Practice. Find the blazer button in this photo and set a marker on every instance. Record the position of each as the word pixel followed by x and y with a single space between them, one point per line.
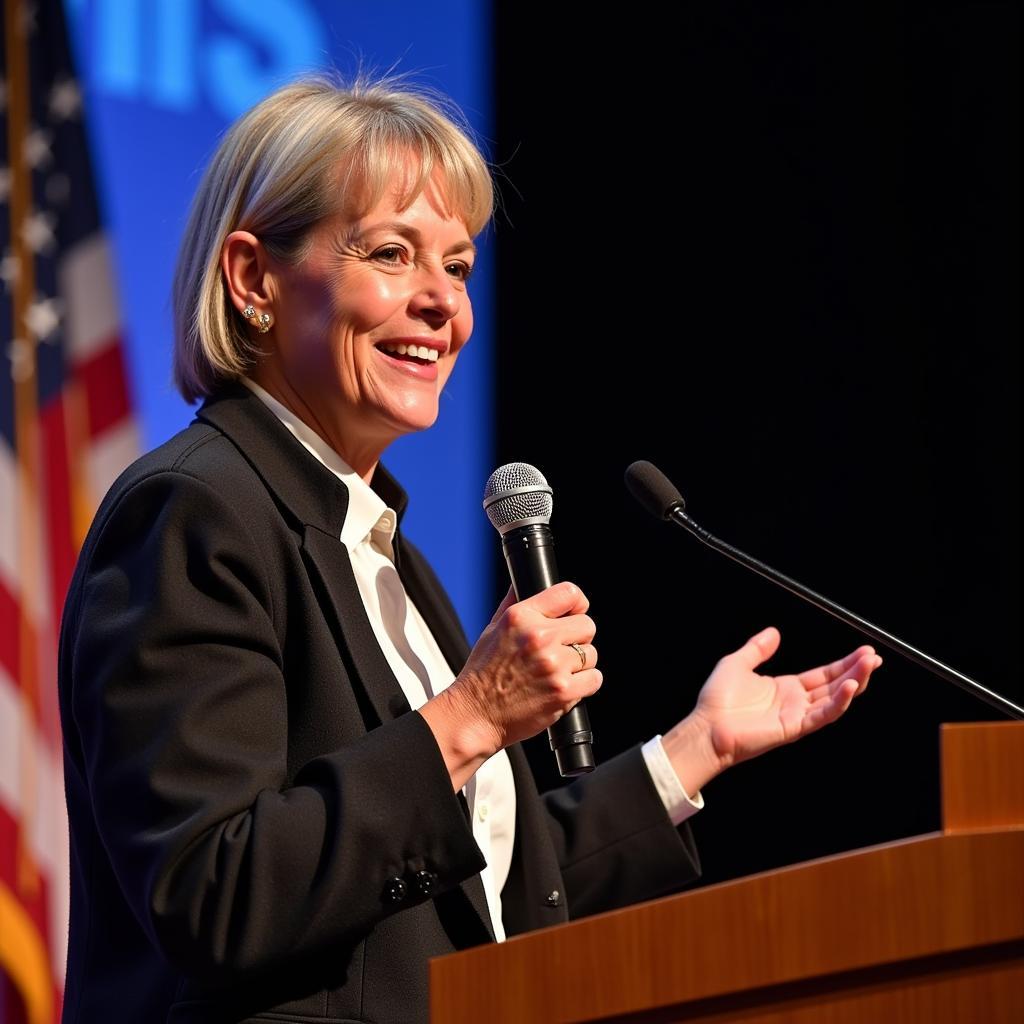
pixel 395 890
pixel 425 882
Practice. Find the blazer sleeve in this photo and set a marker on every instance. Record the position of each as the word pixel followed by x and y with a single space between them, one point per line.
pixel 613 838
pixel 615 843
pixel 180 708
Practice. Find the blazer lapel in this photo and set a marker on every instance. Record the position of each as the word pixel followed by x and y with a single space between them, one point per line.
pixel 443 624
pixel 329 563
pixel 447 631
pixel 316 502
pixel 331 569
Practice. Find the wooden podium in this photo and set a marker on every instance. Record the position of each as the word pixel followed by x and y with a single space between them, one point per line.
pixel 928 929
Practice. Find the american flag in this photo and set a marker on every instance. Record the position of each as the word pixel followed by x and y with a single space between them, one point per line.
pixel 66 430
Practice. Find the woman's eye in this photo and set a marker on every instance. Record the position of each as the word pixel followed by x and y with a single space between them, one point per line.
pixel 464 269
pixel 382 253
pixel 392 253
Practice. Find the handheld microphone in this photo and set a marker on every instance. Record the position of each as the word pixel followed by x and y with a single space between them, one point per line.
pixel 657 494
pixel 518 503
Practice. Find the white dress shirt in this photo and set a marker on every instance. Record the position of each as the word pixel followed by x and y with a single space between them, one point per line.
pixel 421 668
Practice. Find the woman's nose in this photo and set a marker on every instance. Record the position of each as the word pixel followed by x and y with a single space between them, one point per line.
pixel 437 293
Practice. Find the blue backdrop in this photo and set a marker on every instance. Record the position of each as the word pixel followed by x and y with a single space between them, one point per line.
pixel 162 78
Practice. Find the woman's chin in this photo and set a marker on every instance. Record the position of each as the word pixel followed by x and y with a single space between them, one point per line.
pixel 414 419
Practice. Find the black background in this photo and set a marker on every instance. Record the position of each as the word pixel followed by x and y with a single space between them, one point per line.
pixel 774 250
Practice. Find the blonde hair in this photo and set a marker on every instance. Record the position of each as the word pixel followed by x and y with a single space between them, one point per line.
pixel 274 174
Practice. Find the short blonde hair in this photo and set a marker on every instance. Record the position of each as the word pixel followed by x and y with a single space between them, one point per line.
pixel 274 174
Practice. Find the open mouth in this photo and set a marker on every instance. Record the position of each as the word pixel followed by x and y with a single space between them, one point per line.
pixel 409 354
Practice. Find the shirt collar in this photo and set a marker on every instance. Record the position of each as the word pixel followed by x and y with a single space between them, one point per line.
pixel 367 511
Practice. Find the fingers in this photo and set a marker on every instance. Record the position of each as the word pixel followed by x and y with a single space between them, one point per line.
pixel 560 599
pixel 576 685
pixel 506 602
pixel 857 666
pixel 573 629
pixel 829 709
pixel 823 674
pixel 758 648
pixel 581 660
pixel 587 683
pixel 521 674
pixel 862 672
pixel 564 607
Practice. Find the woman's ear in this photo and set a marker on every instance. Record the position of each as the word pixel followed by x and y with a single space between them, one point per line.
pixel 247 275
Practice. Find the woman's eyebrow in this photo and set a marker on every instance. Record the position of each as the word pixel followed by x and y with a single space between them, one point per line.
pixel 413 234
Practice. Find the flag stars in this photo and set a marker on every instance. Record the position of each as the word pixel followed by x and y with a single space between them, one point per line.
pixel 22 357
pixel 37 148
pixel 65 100
pixel 43 317
pixel 10 268
pixel 37 231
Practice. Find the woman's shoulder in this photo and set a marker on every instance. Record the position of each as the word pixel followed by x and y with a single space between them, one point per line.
pixel 199 452
pixel 196 478
pixel 194 493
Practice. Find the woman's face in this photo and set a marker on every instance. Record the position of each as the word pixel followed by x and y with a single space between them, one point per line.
pixel 387 278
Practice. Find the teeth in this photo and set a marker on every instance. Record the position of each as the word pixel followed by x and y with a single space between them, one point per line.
pixel 413 350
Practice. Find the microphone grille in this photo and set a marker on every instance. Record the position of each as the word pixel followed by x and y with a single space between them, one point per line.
pixel 517 495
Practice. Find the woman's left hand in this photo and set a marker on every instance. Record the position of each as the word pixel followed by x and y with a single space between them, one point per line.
pixel 741 713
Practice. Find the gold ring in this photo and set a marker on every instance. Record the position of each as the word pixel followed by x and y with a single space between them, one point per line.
pixel 579 650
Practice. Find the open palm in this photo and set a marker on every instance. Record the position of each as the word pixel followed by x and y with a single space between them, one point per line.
pixel 748 713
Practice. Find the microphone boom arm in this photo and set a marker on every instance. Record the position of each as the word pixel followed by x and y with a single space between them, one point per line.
pixel 677 515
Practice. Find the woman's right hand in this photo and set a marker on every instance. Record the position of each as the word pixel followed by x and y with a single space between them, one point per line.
pixel 520 677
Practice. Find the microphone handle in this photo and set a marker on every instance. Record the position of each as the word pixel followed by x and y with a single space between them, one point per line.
pixel 530 554
pixel 951 675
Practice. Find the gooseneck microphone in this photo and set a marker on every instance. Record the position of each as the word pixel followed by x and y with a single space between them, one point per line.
pixel 518 503
pixel 657 494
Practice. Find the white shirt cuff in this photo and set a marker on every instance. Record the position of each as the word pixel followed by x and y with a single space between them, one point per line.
pixel 676 800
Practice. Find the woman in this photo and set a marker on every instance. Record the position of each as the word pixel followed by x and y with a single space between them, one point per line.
pixel 290 779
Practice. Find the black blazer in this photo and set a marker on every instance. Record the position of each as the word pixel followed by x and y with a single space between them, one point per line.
pixel 260 826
